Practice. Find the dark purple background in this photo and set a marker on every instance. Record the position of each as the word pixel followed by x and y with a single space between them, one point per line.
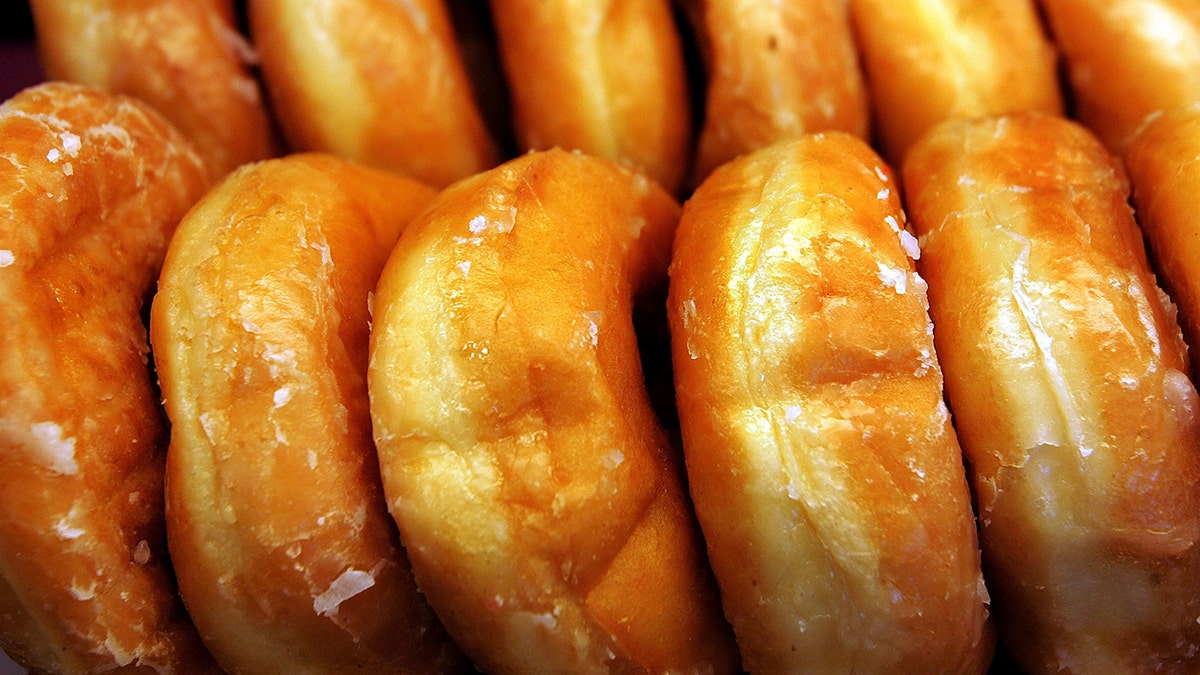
pixel 19 66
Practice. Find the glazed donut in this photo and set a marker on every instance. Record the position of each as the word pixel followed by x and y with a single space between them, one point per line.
pixel 542 509
pixel 823 468
pixel 286 557
pixel 1163 162
pixel 184 57
pixel 375 81
pixel 92 188
pixel 606 77
pixel 1126 59
pixel 774 71
pixel 932 60
pixel 1066 373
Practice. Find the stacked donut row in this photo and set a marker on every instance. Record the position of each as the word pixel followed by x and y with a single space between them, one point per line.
pixel 406 406
pixel 439 92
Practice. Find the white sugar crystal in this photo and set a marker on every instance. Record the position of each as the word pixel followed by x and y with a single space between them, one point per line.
pixel 141 552
pixel 71 143
pixel 323 249
pixel 613 459
pixel 349 584
pixel 208 426
pixel 593 319
pixel 57 453
pixel 65 530
pixel 83 593
pixel 911 247
pixel 893 277
pixel 636 225
pixel 547 620
pixel 7 258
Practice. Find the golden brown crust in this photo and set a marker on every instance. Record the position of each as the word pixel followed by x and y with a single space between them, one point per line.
pixel 932 60
pixel 183 57
pixel 603 76
pixel 92 187
pixel 1163 162
pixel 376 81
pixel 287 558
pixel 1066 373
pixel 775 70
pixel 1126 59
pixel 821 460
pixel 543 510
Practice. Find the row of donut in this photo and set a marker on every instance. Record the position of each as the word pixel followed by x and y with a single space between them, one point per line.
pixel 375 387
pixel 1135 545
pixel 424 89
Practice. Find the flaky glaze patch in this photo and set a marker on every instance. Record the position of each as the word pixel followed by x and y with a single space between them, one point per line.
pixel 93 186
pixel 287 558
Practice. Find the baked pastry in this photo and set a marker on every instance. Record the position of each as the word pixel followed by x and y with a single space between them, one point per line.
pixel 542 509
pixel 92 188
pixel 1163 162
pixel 822 463
pixel 375 81
pixel 1126 59
pixel 286 556
pixel 932 60
pixel 606 77
pixel 184 57
pixel 1067 376
pixel 774 70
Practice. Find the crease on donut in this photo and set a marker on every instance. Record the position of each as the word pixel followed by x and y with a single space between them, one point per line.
pixel 830 540
pixel 1046 450
pixel 528 343
pixel 535 403
pixel 1067 410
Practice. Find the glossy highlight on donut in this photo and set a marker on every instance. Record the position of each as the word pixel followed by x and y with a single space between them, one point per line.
pixel 821 458
pixel 1068 378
